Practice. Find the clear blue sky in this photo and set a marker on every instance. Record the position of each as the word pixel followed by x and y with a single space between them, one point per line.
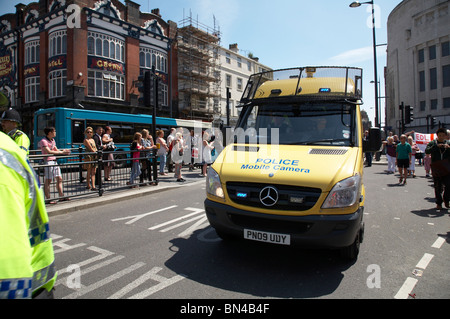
pixel 289 33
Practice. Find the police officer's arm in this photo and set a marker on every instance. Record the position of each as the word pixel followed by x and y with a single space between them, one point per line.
pixel 15 252
pixel 24 143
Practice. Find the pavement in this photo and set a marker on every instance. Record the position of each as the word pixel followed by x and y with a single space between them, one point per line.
pixel 165 183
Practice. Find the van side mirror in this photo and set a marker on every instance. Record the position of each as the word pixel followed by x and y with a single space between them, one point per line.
pixel 373 143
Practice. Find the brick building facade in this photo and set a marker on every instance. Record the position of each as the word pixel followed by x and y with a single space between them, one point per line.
pixel 85 54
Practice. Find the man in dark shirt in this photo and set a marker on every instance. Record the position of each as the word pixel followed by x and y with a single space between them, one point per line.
pixel 440 167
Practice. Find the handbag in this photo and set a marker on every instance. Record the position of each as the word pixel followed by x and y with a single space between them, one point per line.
pixel 195 152
pixel 440 168
pixel 110 147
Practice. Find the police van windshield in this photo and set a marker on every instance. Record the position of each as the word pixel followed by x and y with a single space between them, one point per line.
pixel 297 124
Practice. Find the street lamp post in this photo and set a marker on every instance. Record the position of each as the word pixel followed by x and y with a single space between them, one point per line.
pixel 357 4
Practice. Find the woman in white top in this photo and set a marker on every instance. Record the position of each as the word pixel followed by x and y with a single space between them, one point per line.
pixel 162 151
pixel 207 147
pixel 106 139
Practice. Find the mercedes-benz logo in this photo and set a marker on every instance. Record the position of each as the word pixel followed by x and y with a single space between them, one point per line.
pixel 268 196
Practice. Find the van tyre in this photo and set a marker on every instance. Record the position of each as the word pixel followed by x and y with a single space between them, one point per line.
pixel 351 252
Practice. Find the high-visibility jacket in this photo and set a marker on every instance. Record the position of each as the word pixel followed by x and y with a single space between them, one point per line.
pixel 26 251
pixel 21 139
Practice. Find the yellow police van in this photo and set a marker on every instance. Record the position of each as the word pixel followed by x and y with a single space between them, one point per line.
pixel 292 172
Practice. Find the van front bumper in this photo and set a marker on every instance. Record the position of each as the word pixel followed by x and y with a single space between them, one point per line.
pixel 331 231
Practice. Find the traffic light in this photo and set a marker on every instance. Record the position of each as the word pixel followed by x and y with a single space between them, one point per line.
pixel 409 115
pixel 145 88
pixel 433 122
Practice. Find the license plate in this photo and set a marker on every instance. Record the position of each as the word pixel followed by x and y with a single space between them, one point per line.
pixel 274 238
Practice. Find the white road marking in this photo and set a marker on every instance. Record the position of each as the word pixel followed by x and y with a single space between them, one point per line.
pixel 153 275
pixel 423 263
pixel 199 224
pixel 438 243
pixel 135 218
pixel 180 224
pixel 198 211
pixel 104 281
pixel 406 289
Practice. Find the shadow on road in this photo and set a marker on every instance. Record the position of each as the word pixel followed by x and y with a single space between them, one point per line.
pixel 257 269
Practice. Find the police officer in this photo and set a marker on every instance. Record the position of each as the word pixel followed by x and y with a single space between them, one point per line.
pixel 26 253
pixel 10 122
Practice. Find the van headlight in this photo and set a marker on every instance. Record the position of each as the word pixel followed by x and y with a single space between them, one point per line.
pixel 344 194
pixel 213 185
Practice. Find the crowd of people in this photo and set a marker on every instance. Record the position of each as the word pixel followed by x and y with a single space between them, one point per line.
pixel 402 153
pixel 172 152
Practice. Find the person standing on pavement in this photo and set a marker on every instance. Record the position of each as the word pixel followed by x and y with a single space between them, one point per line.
pixel 170 139
pixel 136 146
pixel 147 146
pixel 27 268
pixel 52 170
pixel 100 146
pixel 109 157
pixel 10 121
pixel 390 154
pixel 177 155
pixel 439 149
pixel 403 160
pixel 91 168
pixel 162 151
pixel 414 150
pixel 207 147
pixel 369 155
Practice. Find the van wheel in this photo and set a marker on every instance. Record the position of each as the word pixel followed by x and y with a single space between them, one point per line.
pixel 351 252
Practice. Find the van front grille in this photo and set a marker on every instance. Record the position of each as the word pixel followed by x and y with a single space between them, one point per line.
pixel 289 197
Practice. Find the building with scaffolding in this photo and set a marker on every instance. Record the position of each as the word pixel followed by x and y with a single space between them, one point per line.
pixel 199 78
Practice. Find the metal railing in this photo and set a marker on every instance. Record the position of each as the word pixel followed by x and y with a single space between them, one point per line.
pixel 74 173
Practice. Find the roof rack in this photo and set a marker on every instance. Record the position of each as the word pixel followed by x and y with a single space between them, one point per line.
pixel 312 82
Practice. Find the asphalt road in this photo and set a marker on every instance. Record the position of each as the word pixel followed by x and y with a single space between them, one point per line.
pixel 160 246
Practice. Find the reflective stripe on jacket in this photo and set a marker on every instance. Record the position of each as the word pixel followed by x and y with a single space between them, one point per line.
pixel 26 251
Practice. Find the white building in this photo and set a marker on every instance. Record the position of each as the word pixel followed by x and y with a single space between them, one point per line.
pixel 235 69
pixel 418 63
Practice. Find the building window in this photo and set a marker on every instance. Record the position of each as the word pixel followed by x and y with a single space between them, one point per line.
pixel 32 89
pixel 32 52
pixel 57 43
pixel 228 81
pixel 434 104
pixel 149 58
pixel 239 84
pixel 57 83
pixel 239 62
pixel 432 52
pixel 446 75
pixel 165 94
pixel 228 58
pixel 106 46
pixel 106 85
pixel 423 105
pixel 433 79
pixel 421 56
pixel 249 65
pixel 445 48
pixel 446 103
pixel 422 81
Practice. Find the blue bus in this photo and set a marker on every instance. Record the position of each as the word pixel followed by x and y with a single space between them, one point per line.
pixel 70 125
